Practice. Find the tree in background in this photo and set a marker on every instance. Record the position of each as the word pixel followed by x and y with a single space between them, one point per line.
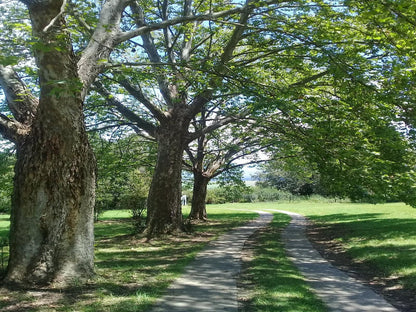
pixel 234 53
pixel 215 153
pixel 125 165
pixel 358 146
pixel 232 186
pixel 293 175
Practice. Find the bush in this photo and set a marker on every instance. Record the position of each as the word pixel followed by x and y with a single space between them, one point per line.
pixel 221 195
pixel 138 207
pixel 5 204
pixel 215 196
pixel 267 194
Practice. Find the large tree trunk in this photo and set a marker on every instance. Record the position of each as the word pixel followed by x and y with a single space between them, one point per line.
pixel 51 233
pixel 164 211
pixel 198 208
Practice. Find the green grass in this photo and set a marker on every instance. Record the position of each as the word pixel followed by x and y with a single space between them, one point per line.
pixel 130 272
pixel 276 283
pixel 380 239
pixel 4 226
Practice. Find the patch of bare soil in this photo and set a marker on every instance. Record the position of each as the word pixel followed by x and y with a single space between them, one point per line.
pixel 323 239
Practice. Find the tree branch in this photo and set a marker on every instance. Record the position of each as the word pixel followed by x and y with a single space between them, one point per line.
pixel 309 79
pixel 153 54
pixel 102 42
pixel 126 112
pixel 56 17
pixel 210 128
pixel 138 95
pixel 204 97
pixel 212 16
pixel 20 100
pixel 12 129
pixel 236 36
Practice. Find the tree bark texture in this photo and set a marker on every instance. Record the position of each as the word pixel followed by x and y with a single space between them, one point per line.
pixel 199 195
pixel 51 233
pixel 164 211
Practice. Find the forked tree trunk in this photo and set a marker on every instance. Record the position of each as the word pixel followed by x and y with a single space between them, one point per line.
pixel 198 208
pixel 51 233
pixel 164 210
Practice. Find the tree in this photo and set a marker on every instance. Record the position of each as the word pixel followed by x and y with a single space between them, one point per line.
pixel 355 140
pixel 293 174
pixel 393 31
pixel 214 153
pixel 180 90
pixel 51 237
pixel 51 234
pixel 233 53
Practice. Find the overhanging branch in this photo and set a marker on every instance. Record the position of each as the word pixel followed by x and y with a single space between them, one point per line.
pixel 126 112
pixel 212 16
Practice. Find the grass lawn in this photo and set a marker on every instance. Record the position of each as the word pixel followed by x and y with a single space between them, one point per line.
pixel 377 241
pixel 132 273
pixel 378 237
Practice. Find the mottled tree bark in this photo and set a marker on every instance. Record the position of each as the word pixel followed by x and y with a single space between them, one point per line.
pixel 51 233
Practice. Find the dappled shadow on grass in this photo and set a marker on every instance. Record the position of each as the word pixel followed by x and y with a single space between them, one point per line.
pixel 273 283
pixel 378 249
pixel 131 273
pixel 109 229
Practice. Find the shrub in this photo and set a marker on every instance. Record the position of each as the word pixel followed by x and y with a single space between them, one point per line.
pixel 138 208
pixel 215 196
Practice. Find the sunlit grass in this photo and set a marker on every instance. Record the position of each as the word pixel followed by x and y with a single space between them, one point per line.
pixel 132 273
pixel 277 284
pixel 380 238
